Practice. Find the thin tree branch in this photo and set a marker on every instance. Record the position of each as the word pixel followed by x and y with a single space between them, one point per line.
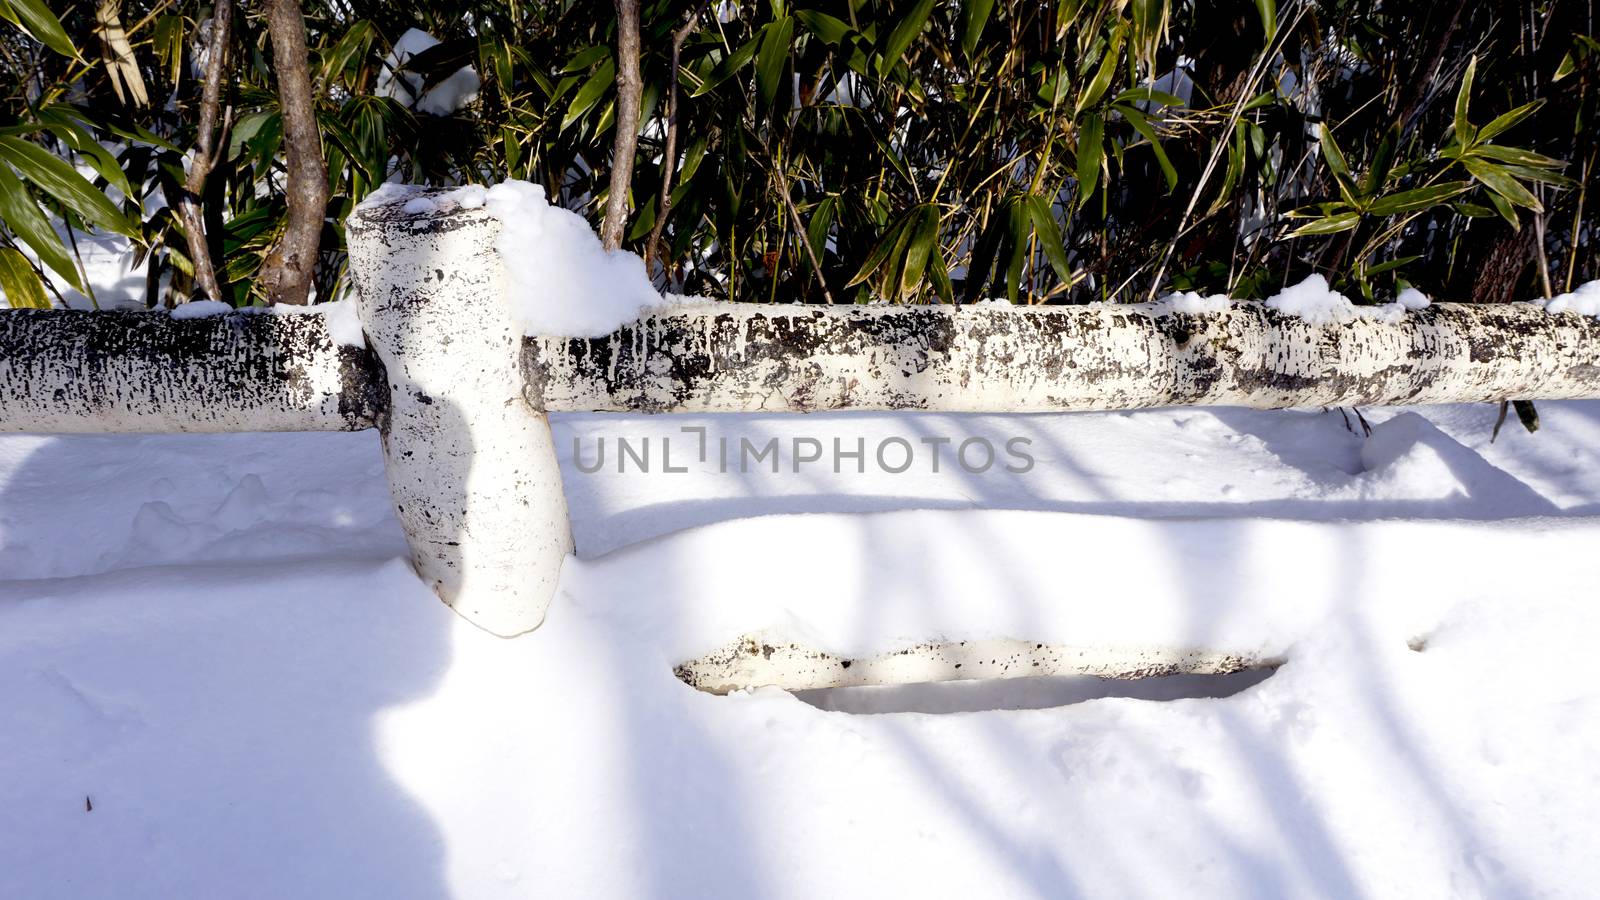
pixel 630 88
pixel 669 156
pixel 205 154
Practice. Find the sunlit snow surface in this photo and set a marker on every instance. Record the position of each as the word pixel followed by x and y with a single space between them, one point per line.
pixel 221 680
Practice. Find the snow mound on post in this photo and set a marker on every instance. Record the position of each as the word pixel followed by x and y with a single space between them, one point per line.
pixel 1315 302
pixel 1411 298
pixel 1190 303
pixel 563 282
pixel 1585 301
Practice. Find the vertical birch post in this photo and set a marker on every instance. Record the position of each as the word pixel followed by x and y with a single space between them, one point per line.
pixel 472 467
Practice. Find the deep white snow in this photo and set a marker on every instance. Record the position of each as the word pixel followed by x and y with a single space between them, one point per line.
pixel 222 680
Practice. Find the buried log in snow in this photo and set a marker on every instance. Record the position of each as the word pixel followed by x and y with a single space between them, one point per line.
pixel 753 662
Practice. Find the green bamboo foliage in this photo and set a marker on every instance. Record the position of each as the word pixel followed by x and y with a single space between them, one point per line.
pixel 858 150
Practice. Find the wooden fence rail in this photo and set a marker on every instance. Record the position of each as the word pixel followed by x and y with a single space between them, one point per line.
pixel 461 395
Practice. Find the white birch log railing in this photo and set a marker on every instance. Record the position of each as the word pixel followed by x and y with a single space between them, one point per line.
pixel 744 357
pixel 461 396
pixel 65 371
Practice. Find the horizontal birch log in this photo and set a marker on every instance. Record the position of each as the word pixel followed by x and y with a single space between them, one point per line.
pixel 739 357
pixel 69 371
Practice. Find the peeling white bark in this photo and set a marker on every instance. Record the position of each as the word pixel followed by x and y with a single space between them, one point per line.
pixel 65 371
pixel 733 357
pixel 471 466
pixel 753 662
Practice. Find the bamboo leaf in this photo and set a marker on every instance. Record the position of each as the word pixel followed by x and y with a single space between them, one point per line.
pixel 19 281
pixel 1067 13
pixel 584 60
pixel 60 182
pixel 244 133
pixel 40 24
pixel 1235 169
pixel 1508 121
pixel 355 43
pixel 1464 132
pixel 1505 210
pixel 1418 198
pixel 1148 94
pixel 821 222
pixel 340 136
pixel 1328 225
pixel 1335 160
pixel 939 274
pixel 97 157
pixel 774 55
pixel 831 30
pixel 982 259
pixel 1567 66
pixel 23 217
pixel 974 16
pixel 878 254
pixel 1502 183
pixel 596 87
pixel 168 42
pixel 1044 225
pixel 1516 156
pixel 728 67
pixel 1527 414
pixel 1537 176
pixel 1382 160
pixel 1017 220
pixel 1142 125
pixel 1268 11
pixel 1265 98
pixel 1091 153
pixel 903 34
pixel 1096 88
pixel 923 240
pixel 889 286
pixel 1391 265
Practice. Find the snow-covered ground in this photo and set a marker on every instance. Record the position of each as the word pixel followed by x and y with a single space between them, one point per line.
pixel 222 680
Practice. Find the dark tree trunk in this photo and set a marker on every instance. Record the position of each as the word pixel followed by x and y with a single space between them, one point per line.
pixel 288 271
pixel 629 90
